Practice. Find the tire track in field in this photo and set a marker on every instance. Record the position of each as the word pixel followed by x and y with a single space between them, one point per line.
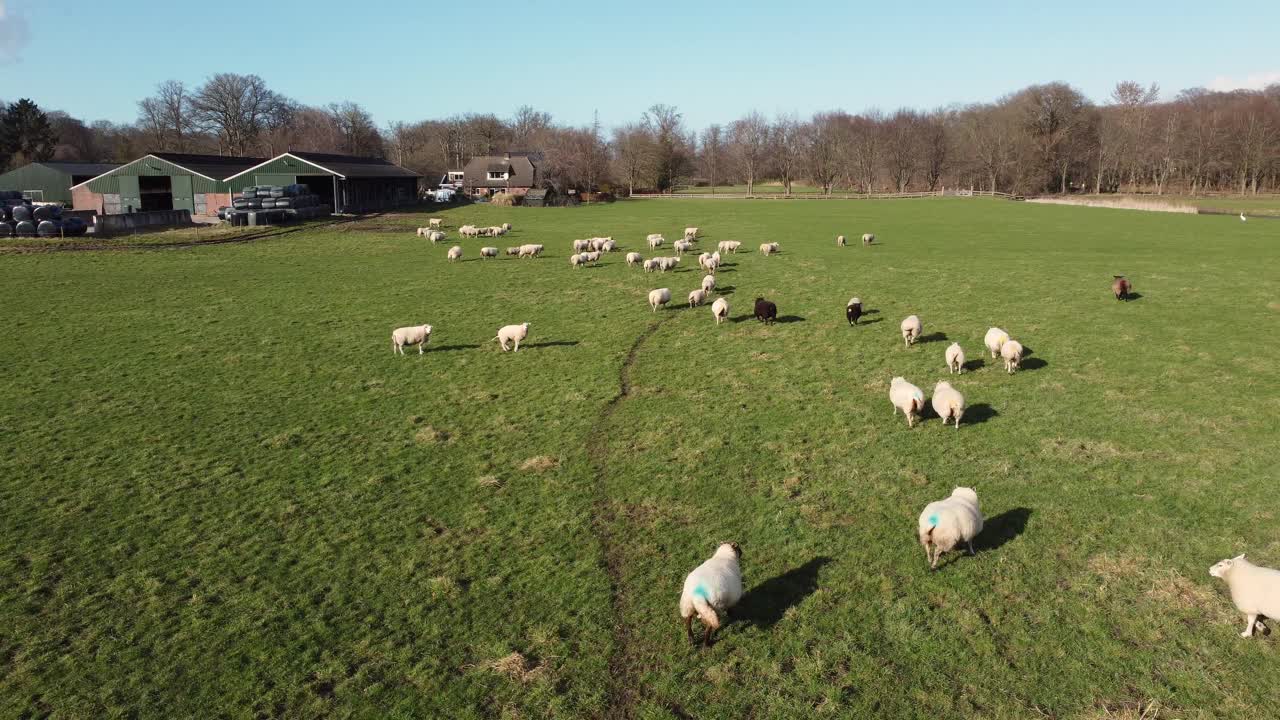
pixel 623 691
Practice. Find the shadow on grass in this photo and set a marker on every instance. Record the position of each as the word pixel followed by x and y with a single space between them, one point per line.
pixel 741 318
pixel 933 337
pixel 765 604
pixel 1001 529
pixel 551 343
pixel 862 322
pixel 977 414
pixel 450 348
pixel 786 319
pixel 975 364
pixel 1133 296
pixel 1032 364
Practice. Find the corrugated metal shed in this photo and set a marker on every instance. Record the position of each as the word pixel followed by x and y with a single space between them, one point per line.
pixel 51 181
pixel 207 172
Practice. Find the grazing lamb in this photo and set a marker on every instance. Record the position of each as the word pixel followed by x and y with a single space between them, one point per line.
pixel 668 263
pixel 702 259
pixel 770 248
pixel 766 311
pixel 720 310
pixel 469 231
pixel 436 236
pixel 592 257
pixel 650 265
pixel 911 330
pixel 682 246
pixel 435 222
pixel 489 252
pixel 1255 590
pixel 840 241
pixel 530 250
pixel 868 238
pixel 955 359
pixel 633 258
pixel 708 282
pixel 697 297
pixel 608 245
pixel 415 335
pixel 581 245
pixel 948 403
pixel 945 524
pixel 509 333
pixel 712 588
pixel 906 397
pixel 597 243
pixel 513 251
pixel 728 246
pixel 655 241
pixel 711 265
pixel 1011 351
pixel 661 296
pixel 1121 287
pixel 577 260
pixel 716 256
pixel 690 233
pixel 994 340
pixel 455 253
pixel 506 227
pixel 853 310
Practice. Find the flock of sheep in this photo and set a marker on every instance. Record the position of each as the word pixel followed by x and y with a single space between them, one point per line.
pixel 944 525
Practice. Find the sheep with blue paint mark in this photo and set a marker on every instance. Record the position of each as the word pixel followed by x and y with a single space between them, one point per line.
pixel 712 588
pixel 945 524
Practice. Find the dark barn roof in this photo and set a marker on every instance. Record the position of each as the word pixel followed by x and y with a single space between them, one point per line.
pixel 79 168
pixel 523 172
pixel 351 166
pixel 215 167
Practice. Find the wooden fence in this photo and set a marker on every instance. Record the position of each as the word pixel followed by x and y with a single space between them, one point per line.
pixel 817 196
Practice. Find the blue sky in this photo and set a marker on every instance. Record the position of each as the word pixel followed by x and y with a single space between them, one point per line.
pixel 715 61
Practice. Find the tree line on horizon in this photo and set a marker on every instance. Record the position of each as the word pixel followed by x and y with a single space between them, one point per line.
pixel 1046 138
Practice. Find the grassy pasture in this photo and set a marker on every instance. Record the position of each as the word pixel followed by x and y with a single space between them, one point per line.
pixel 222 495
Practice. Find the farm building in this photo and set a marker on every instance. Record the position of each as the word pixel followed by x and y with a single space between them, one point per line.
pixel 515 173
pixel 355 184
pixel 163 181
pixel 52 181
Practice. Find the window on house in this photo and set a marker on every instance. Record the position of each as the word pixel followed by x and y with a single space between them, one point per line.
pixel 495 175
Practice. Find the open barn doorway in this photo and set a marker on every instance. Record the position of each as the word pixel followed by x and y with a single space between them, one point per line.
pixel 320 185
pixel 156 192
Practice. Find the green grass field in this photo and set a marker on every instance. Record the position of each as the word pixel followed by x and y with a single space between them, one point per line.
pixel 222 495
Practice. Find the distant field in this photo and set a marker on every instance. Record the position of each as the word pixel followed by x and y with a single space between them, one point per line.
pixel 1250 205
pixel 771 187
pixel 221 495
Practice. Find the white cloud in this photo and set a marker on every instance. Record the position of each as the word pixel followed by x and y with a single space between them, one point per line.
pixel 14 33
pixel 1252 81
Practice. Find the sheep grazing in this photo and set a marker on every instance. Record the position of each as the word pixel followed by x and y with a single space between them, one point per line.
pixel 955 358
pixel 906 397
pixel 435 223
pixel 716 256
pixel 702 259
pixel 489 252
pixel 770 248
pixel 422 232
pixel 868 238
pixel 512 333
pixel 650 265
pixel 513 251
pixel 577 260
pixel 853 310
pixel 506 227
pixel 592 257
pixel 711 265
pixel 697 297
pixel 530 250
pixel 766 311
pixel 708 283
pixel 911 330
pixel 581 245
pixel 608 245
pixel 712 588
pixel 655 242
pixel 414 335
pixel 945 524
pixel 436 236
pixel 597 243
pixel 720 310
pixel 728 246
pixel 634 258
pixel 690 233
pixel 661 296
pixel 1121 288
pixel 994 340
pixel 455 253
pixel 469 231
pixel 948 403
pixel 1255 590
pixel 667 263
pixel 840 241
pixel 682 246
pixel 1011 351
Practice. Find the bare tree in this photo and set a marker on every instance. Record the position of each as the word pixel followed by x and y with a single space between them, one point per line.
pixel 530 129
pixel 822 149
pixel 235 108
pixel 631 153
pixel 902 146
pixel 749 145
pixel 786 149
pixel 167 116
pixel 669 151
pixel 935 146
pixel 712 153
pixel 864 149
pixel 360 134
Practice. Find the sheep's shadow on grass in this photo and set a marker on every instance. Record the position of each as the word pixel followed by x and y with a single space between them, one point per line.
pixel 450 348
pixel 862 322
pixel 766 604
pixel 870 312
pixel 977 414
pixel 1032 364
pixel 1002 528
pixel 1132 296
pixel 933 337
pixel 550 343
pixel 975 364
pixel 787 319
pixel 742 318
pixel 726 290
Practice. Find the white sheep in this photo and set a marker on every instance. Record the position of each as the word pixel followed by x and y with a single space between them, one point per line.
pixel 435 222
pixel 668 263
pixel 690 232
pixel 414 335
pixel 592 257
pixel 455 253
pixel 945 524
pixel 708 283
pixel 840 240
pixel 422 232
pixel 655 242
pixel 1255 590
pixel 577 260
pixel 650 265
pixel 608 245
pixel 711 265
pixel 948 403
pixel 911 329
pixel 581 245
pixel 720 310
pixel 530 250
pixel 633 258
pixel 697 297
pixel 513 251
pixel 868 238
pixel 906 397
pixel 1011 351
pixel 489 252
pixel 436 236
pixel 597 243
pixel 716 256
pixel 469 231
pixel 506 227
pixel 712 588
pixel 661 296
pixel 681 246
pixel 994 340
pixel 955 359
pixel 769 248
pixel 703 258
pixel 728 246
pixel 510 333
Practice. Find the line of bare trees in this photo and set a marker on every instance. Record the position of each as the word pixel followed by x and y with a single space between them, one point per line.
pixel 1044 138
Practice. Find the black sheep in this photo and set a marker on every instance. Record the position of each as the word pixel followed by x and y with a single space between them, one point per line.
pixel 766 311
pixel 853 311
